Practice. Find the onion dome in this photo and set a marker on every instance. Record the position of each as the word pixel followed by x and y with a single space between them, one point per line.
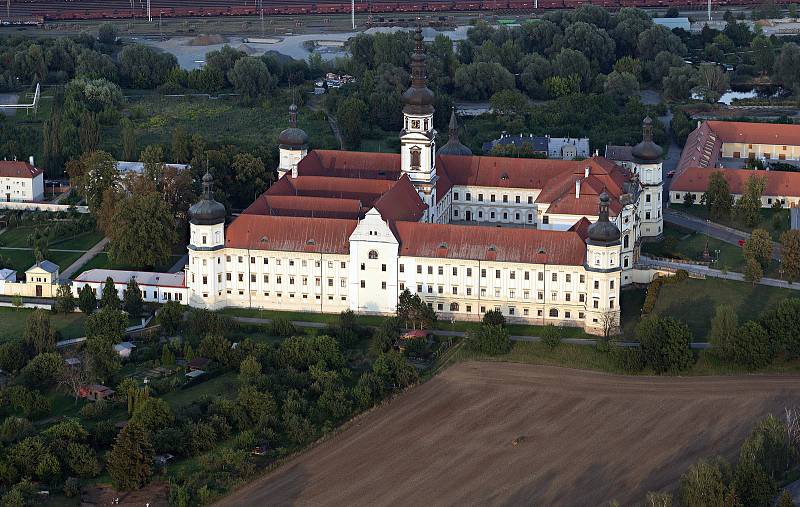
pixel 418 99
pixel 293 137
pixel 454 146
pixel 603 232
pixel 647 151
pixel 207 211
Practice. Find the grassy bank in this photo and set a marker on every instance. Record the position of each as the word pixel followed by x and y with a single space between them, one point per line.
pixel 12 323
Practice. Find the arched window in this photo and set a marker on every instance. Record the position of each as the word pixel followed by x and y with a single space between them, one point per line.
pixel 553 312
pixel 625 241
pixel 415 159
pixel 453 307
pixel 373 254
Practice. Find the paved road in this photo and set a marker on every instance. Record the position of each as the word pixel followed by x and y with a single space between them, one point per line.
pixel 461 334
pixel 714 273
pixel 715 230
pixel 83 259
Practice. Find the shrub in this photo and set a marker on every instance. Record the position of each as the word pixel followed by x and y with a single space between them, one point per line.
pixel 94 410
pixel 627 359
pixel 283 328
pixel 665 344
pixel 494 318
pixel 488 339
pixel 551 336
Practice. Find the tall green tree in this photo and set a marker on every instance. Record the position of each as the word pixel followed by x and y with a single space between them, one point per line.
pixel 143 231
pixel 110 296
pixel 87 301
pixel 752 346
pixel 39 333
pixel 718 197
pixel 91 175
pixel 251 78
pixel 665 344
pixel 748 207
pixel 128 140
pixel 132 299
pixel 350 117
pixel 130 460
pixel 759 247
pixel 89 132
pixel 705 483
pixel 65 301
pixel 724 327
pixel 180 145
pixel 753 272
pixel 790 254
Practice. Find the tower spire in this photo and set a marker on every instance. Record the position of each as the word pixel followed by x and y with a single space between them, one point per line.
pixel 647 129
pixel 453 128
pixel 208 186
pixel 293 115
pixel 419 76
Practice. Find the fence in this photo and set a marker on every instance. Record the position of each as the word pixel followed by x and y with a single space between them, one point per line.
pixel 42 206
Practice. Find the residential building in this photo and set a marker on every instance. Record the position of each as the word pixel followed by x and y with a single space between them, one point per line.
pixel 780 186
pixel 21 181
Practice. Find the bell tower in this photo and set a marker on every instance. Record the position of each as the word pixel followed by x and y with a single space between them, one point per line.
pixel 418 137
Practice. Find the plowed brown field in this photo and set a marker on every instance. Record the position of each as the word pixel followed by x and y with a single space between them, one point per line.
pixel 582 438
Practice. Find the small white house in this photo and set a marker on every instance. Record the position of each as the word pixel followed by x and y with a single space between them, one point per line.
pixel 21 181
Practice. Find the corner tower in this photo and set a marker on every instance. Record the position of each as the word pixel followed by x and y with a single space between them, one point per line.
pixel 453 146
pixel 603 272
pixel 417 139
pixel 647 164
pixel 292 146
pixel 206 241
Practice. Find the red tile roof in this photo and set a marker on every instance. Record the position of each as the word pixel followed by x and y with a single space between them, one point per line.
pixel 290 234
pixel 779 183
pixel 300 206
pixel 504 172
pixel 490 243
pixel 18 169
pixel 401 202
pixel 350 164
pixel 756 133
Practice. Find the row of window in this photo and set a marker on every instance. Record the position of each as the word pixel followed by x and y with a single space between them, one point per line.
pixel 470 215
pixel 526 275
pixel 512 311
pixel 278 279
pixel 492 198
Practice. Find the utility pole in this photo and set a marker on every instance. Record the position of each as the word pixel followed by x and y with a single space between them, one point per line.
pixel 261 11
pixel 353 13
pixel 149 16
pixel 709 10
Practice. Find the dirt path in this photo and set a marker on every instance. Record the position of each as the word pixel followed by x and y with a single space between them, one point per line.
pixel 585 438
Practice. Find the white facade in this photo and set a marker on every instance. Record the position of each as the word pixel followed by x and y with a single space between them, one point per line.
pixel 418 157
pixel 24 189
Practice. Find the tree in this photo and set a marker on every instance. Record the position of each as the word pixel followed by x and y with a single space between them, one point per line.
pixel 251 174
pixel 92 175
pixel 170 317
pixel 785 500
pixel 142 231
pixel 759 247
pixel 251 78
pixel 153 159
pixel 74 377
pixel 180 145
pixel 129 461
pixel 753 272
pixel 718 198
pixel 87 301
pixel 570 63
pixel 481 80
pixel 110 297
pixel 704 483
pixel 764 458
pixel 132 299
pixel 724 327
pixel 782 322
pixel 790 254
pixel 494 318
pixel 42 370
pixel 39 333
pixel 81 460
pixel 551 336
pixel 712 81
pixel 91 65
pixel 143 67
pixel 89 132
pixel 65 301
pixel 488 339
pixel 153 414
pixel 350 117
pixel 128 139
pixel 665 343
pixel 108 324
pixel 748 207
pixel 751 346
pixel 763 54
pixel 657 39
pixel 593 42
pixel 509 103
pixel 620 86
pixel 107 33
pixel 249 370
pixel 677 84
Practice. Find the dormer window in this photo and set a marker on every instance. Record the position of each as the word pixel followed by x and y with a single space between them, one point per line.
pixel 373 254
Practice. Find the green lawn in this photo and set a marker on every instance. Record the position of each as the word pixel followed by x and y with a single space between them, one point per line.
pixel 631 301
pixel 16 237
pixel 83 241
pixel 12 323
pixel 21 260
pixel 102 261
pixel 693 301
pixel 775 226
pixel 216 386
